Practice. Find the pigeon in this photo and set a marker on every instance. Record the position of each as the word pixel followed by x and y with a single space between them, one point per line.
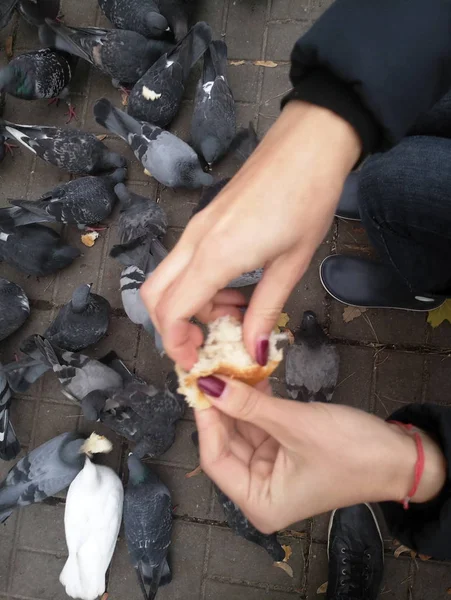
pixel 122 55
pixel 71 150
pixel 241 526
pixel 6 10
pixel 177 13
pixel 148 526
pixel 47 470
pixel 213 126
pixel 35 12
pixel 84 201
pixel 140 413
pixel 38 75
pixel 77 373
pixel 9 444
pixel 92 519
pixel 156 97
pixel 14 308
pixel 141 16
pixel 35 249
pixel 312 363
pixel 166 157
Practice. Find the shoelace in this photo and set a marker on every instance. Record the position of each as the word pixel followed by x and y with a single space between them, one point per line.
pixel 353 575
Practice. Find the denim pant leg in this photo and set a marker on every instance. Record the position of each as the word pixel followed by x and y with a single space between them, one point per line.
pixel 405 205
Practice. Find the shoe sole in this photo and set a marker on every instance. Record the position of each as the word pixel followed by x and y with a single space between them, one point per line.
pixel 353 219
pixel 416 310
pixel 374 519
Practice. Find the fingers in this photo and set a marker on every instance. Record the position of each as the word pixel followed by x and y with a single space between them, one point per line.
pixel 268 300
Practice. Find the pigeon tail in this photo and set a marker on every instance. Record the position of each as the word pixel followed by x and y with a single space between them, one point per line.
pixel 154 577
pixel 57 35
pixel 192 47
pixel 5 514
pixel 38 213
pixel 215 61
pixel 22 374
pixel 134 253
pixel 18 215
pixel 115 120
pixel 9 444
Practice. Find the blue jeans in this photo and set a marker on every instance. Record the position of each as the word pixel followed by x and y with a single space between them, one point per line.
pixel 405 203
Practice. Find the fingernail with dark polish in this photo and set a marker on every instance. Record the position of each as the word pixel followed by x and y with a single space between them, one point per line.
pixel 211 386
pixel 262 351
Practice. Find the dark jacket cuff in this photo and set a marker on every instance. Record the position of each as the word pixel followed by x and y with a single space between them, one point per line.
pixel 426 527
pixel 322 88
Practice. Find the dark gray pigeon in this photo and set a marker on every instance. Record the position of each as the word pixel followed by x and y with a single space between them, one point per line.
pixel 84 201
pixel 141 16
pixel 122 55
pixel 148 526
pixel 35 249
pixel 35 12
pixel 157 95
pixel 38 75
pixel 312 363
pixel 9 444
pixel 213 126
pixel 69 149
pixel 14 308
pixel 164 156
pixel 47 470
pixel 178 15
pixel 78 374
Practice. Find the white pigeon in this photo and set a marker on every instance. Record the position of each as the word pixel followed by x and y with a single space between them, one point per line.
pixel 92 520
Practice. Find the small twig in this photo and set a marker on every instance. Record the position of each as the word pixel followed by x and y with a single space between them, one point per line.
pixel 266 102
pixel 343 380
pixel 367 319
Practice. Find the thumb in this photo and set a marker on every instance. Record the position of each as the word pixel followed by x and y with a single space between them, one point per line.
pixel 246 403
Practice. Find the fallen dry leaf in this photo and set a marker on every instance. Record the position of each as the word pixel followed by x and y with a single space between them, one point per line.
pixel 236 63
pixel 424 557
pixel 105 596
pixel 148 173
pixel 352 312
pixel 402 550
pixel 285 567
pixel 89 239
pixel 265 63
pixel 288 552
pixel 322 588
pixel 101 137
pixel 194 472
pixel 124 99
pixel 9 46
pixel 282 321
pixel 290 336
pixel 440 314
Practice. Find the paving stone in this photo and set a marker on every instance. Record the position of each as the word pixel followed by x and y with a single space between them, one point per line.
pixel 44 178
pixel 183 452
pixel 396 582
pixel 276 83
pixel 320 527
pixel 36 575
pixel 431 581
pixel 7 532
pixel 439 385
pixel 21 415
pixel 282 37
pixel 122 337
pixel 26 38
pixel 54 419
pixel 37 322
pixel 398 381
pixel 233 557
pixel 244 41
pixel 211 13
pixel 15 173
pixel 318 7
pixel 179 205
pixel 243 81
pixel 181 125
pixel 317 573
pixel 354 379
pixel 216 590
pixel 351 234
pixel 42 528
pixel 290 9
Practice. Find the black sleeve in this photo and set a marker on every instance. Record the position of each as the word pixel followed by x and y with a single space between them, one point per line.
pixel 426 527
pixel 377 63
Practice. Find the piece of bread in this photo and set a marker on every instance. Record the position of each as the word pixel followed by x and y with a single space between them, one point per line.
pixel 224 353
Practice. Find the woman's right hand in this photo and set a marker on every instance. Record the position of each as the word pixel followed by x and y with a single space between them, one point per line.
pixel 282 461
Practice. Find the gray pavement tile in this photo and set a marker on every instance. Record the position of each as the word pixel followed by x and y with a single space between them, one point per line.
pixel 317 7
pixel 243 81
pixel 439 385
pixel 179 205
pixel 243 40
pixel 282 37
pixel 37 322
pixel 398 381
pixel 350 233
pixel 212 13
pixel 36 575
pixel 15 173
pixel 44 178
pixel 320 527
pixel 232 556
pixel 432 581
pixel 181 125
pixel 183 452
pixel 216 590
pixel 354 378
pixel 83 13
pixel 26 38
pixel 317 573
pixel 42 528
pixel 21 415
pixel 290 9
pixel 276 84
pixel 53 419
pixel 122 337
pixel 5 562
pixel 149 364
pixel 396 581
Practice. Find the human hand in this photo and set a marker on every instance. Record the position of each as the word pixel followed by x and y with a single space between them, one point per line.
pixel 274 213
pixel 283 461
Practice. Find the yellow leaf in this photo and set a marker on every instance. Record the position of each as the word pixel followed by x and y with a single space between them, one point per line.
pixel 282 321
pixel 288 552
pixel 440 314
pixel 101 137
pixel 352 312
pixel 9 46
pixel 236 63
pixel 265 63
pixel 322 588
pixel 424 557
pixel 403 550
pixel 285 567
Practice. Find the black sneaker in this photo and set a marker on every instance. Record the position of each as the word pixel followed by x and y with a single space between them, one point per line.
pixel 360 282
pixel 348 206
pixel 356 554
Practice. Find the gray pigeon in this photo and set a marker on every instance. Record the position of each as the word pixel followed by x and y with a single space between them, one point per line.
pixel 164 156
pixel 47 470
pixel 122 55
pixel 213 126
pixel 35 249
pixel 38 75
pixel 312 363
pixel 9 444
pixel 157 95
pixel 148 526
pixel 84 201
pixel 178 14
pixel 14 308
pixel 35 12
pixel 141 16
pixel 71 150
pixel 78 374
pixel 6 10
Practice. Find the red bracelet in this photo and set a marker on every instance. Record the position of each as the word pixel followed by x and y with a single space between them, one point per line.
pixel 419 465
